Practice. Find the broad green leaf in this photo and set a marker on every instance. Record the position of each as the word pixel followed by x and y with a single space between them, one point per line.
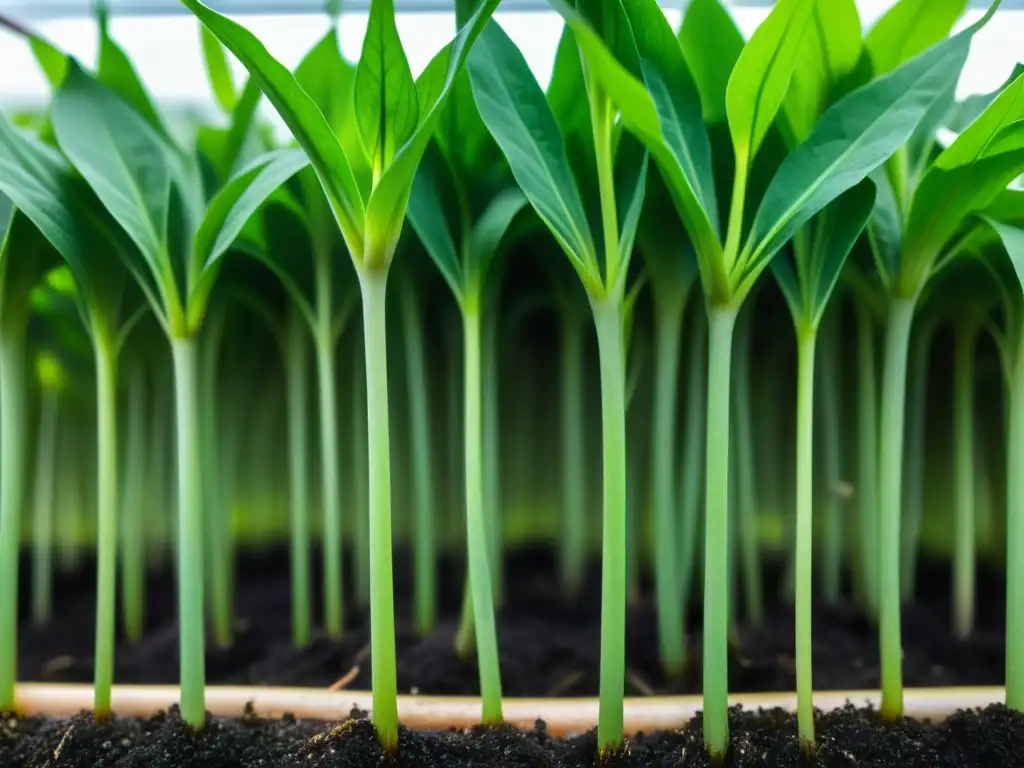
pixel 761 77
pixel 243 120
pixel 116 71
pixel 853 138
pixel 666 119
pixel 121 157
pixel 711 43
pixel 829 55
pixel 385 211
pixel 566 87
pixel 218 70
pixel 908 28
pixel 516 112
pixel 963 113
pixel 52 61
pixel 385 92
pixel 302 117
pixel 808 278
pixel 981 138
pixel 614 24
pixel 430 221
pixel 1012 238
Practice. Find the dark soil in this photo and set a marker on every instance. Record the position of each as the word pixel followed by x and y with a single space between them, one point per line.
pixel 992 738
pixel 549 644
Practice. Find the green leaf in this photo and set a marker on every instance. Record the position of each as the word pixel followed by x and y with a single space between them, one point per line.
pixel 808 277
pixel 1012 238
pixel 980 139
pixel 908 28
pixel 461 133
pixel 385 92
pixel 218 70
pixel 630 188
pixel 761 77
pixel 385 212
pixel 829 56
pixel 665 115
pixel 565 88
pixel 52 61
pixel 516 112
pixel 430 221
pixel 121 157
pixel 329 79
pixel 489 232
pixel 711 43
pixel 963 113
pixel 25 256
pixel 852 139
pixel 302 117
pixel 116 71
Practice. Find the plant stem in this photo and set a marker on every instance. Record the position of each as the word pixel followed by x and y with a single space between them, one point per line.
pixel 216 516
pixel 360 479
pixel 573 548
pixel 830 432
pixel 13 399
pixel 894 391
pixel 672 643
pixel 333 596
pixel 133 534
pixel 476 524
pixel 105 353
pixel 867 457
pixel 42 508
pixel 491 456
pixel 746 507
pixel 691 477
pixel 1014 533
pixel 966 337
pixel 190 533
pixel 297 384
pixel 806 340
pixel 721 320
pixel 382 598
pixel 424 549
pixel 608 323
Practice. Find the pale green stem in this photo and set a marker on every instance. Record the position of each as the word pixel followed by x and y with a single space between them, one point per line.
pixel 297 384
pixel 105 353
pixel 722 321
pixel 963 440
pixel 360 481
pixel 830 432
pixel 746 508
pixel 329 468
pixel 806 339
pixel 672 643
pixel 867 457
pixel 894 392
pixel 1014 533
pixel 382 598
pixel 190 534
pixel 133 534
pixel 13 402
pixel 424 549
pixel 691 476
pixel 476 525
pixel 608 322
pixel 491 455
pixel 43 508
pixel 573 549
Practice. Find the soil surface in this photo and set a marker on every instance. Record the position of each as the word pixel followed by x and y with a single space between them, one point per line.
pixel 549 643
pixel 992 738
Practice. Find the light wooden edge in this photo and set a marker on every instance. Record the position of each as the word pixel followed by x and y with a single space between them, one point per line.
pixel 561 716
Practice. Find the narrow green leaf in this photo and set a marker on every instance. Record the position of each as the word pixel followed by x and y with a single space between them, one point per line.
pixel 980 139
pixel 711 43
pixel 120 156
pixel 853 138
pixel 385 212
pixel 630 187
pixel 565 87
pixel 490 230
pixel 965 112
pixel 302 117
pixel 218 70
pixel 761 77
pixel 830 53
pixel 52 61
pixel 430 221
pixel 385 92
pixel 1012 238
pixel 516 112
pixel 116 71
pixel 666 119
pixel 908 28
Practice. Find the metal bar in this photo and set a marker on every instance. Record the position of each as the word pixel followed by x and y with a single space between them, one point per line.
pixel 36 10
